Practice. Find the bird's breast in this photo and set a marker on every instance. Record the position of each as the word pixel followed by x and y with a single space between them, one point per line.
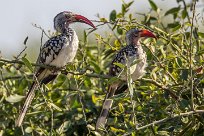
pixel 137 69
pixel 67 53
pixel 136 65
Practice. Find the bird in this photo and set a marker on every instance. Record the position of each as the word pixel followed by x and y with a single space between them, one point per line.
pixel 57 51
pixel 134 57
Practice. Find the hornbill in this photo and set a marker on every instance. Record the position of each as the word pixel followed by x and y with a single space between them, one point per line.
pixel 126 56
pixel 57 51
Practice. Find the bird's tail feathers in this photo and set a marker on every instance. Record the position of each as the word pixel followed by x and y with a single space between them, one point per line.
pixel 29 98
pixel 107 104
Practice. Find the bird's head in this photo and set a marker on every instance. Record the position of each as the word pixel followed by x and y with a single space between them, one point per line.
pixel 63 19
pixel 133 35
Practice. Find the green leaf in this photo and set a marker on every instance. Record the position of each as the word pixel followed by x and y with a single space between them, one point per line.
pixel 200 52
pixel 184 14
pixel 113 79
pixel 173 25
pixel 179 1
pixel 87 82
pixel 123 10
pixel 25 41
pixel 113 15
pixel 176 28
pixel 1 64
pixel 136 61
pixel 153 5
pixel 139 108
pixel 74 103
pixel 119 65
pixel 195 33
pixel 129 4
pixel 130 86
pixel 96 66
pixel 117 43
pixel 103 20
pixel 163 133
pixel 85 37
pixel 55 106
pixel 178 61
pixel 28 130
pixel 184 74
pixel 64 127
pixel 94 98
pixel 172 11
pixel 119 30
pixel 160 30
pixel 201 34
pixel 27 63
pixel 14 98
pixel 121 108
pixel 183 103
pixel 119 96
pixel 129 81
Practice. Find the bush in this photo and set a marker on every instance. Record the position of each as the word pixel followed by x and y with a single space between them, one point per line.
pixel 167 101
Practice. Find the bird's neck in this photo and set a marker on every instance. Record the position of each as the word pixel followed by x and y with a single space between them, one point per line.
pixel 133 41
pixel 135 47
pixel 67 30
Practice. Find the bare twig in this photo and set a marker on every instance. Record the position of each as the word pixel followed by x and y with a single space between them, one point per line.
pixel 21 62
pixel 17 57
pixel 25 41
pixel 170 118
pixel 43 31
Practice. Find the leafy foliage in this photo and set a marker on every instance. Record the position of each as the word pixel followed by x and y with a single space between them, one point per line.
pixel 167 101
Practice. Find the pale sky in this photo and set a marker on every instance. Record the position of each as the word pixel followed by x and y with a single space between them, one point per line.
pixel 18 15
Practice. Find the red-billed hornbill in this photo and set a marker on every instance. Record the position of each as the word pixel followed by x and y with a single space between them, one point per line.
pixel 57 51
pixel 126 56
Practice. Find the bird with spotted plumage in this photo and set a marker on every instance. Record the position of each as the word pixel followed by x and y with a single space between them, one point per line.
pixel 133 57
pixel 57 51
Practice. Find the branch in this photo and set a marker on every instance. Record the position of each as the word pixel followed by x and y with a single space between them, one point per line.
pixel 169 118
pixel 94 75
pixel 22 63
pixel 173 95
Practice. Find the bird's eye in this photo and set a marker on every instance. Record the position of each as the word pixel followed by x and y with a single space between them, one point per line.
pixel 135 35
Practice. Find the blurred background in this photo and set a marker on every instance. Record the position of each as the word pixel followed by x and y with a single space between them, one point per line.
pixel 17 18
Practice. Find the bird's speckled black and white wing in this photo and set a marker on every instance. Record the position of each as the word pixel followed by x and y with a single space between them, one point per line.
pixel 121 57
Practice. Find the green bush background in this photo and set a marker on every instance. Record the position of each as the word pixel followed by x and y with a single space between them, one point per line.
pixel 169 100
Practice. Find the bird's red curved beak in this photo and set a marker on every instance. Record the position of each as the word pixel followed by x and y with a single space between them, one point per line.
pixel 146 33
pixel 80 18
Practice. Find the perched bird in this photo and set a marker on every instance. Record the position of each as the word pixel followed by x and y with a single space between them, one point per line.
pixel 57 51
pixel 126 56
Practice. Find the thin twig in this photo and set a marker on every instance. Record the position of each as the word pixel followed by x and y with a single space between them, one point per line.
pixel 43 31
pixel 191 57
pixel 170 118
pixel 17 57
